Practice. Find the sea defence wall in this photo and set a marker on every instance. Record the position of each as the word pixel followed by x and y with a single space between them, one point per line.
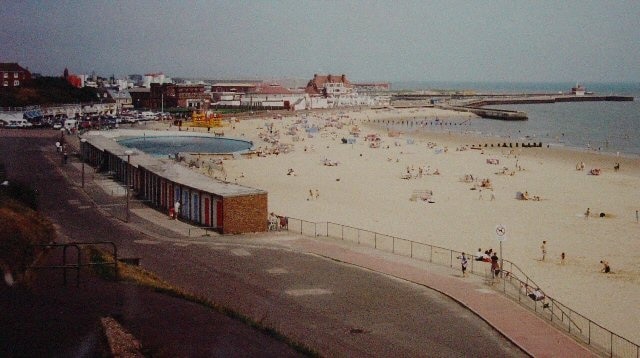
pixel 547 99
pixel 475 103
pixel 490 113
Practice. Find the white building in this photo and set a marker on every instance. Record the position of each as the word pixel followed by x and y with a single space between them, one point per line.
pixel 150 78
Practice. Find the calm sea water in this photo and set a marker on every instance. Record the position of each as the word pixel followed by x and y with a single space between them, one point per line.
pixel 606 126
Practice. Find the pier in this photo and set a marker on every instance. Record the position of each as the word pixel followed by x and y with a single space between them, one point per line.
pixel 547 99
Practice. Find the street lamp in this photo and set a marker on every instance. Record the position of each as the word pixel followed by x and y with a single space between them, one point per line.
pixel 83 143
pixel 128 153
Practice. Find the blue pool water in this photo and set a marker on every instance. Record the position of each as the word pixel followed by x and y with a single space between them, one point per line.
pixel 170 145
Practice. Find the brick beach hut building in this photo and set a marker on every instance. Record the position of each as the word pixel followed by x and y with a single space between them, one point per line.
pixel 226 207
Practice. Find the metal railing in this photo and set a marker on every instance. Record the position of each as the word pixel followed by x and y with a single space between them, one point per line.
pixel 513 281
pixel 75 264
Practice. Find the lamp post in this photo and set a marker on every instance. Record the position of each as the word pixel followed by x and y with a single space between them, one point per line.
pixel 128 153
pixel 83 142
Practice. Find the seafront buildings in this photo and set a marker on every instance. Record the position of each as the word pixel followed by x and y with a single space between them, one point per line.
pixel 158 92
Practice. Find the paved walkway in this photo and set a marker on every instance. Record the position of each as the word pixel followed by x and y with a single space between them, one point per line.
pixel 523 327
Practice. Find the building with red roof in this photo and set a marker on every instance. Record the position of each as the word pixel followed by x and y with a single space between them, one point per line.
pixel 270 95
pixel 328 86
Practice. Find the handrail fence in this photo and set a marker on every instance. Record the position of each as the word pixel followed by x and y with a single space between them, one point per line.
pixel 67 263
pixel 514 281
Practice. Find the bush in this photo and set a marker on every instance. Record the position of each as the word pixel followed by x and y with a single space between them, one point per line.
pixel 21 227
pixel 21 193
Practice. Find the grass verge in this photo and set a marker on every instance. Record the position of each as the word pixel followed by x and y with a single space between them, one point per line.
pixel 145 278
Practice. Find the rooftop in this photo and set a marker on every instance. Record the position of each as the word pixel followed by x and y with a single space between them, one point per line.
pixel 168 169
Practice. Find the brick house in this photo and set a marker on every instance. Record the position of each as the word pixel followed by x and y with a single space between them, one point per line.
pixel 169 95
pixel 328 85
pixel 13 75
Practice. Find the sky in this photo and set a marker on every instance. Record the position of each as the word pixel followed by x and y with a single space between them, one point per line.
pixel 394 40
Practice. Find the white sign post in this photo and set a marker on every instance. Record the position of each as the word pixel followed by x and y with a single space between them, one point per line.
pixel 501 231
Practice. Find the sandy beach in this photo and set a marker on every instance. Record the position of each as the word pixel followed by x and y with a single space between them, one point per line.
pixel 371 186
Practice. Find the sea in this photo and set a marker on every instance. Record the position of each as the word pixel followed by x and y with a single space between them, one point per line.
pixel 611 127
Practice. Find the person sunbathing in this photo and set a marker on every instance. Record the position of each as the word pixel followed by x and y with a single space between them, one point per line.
pixel 535 294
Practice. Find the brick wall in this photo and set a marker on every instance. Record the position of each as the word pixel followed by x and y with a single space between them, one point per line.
pixel 243 214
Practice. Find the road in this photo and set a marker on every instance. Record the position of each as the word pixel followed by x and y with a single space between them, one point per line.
pixel 335 308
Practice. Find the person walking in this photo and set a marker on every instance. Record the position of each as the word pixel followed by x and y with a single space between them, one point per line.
pixel 495 266
pixel 543 248
pixel 463 263
pixel 176 209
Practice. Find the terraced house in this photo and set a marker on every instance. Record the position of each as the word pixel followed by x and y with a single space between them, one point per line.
pixel 13 75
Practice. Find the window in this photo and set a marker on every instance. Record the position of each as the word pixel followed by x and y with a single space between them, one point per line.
pixel 6 83
pixel 6 75
pixel 15 75
pixel 16 83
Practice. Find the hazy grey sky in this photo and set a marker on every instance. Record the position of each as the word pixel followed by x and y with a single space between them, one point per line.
pixel 520 41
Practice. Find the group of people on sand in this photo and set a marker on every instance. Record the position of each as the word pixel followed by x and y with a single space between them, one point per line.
pixel 543 249
pixel 596 171
pixel 410 172
pixel 488 256
pixel 484 256
pixel 313 195
pixel 527 196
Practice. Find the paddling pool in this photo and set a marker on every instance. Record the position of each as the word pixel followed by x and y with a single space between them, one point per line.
pixel 170 145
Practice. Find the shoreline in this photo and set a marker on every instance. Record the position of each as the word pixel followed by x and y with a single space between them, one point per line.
pixel 480 138
pixel 484 137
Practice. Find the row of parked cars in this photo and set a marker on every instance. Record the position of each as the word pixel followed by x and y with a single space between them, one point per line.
pixel 86 122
